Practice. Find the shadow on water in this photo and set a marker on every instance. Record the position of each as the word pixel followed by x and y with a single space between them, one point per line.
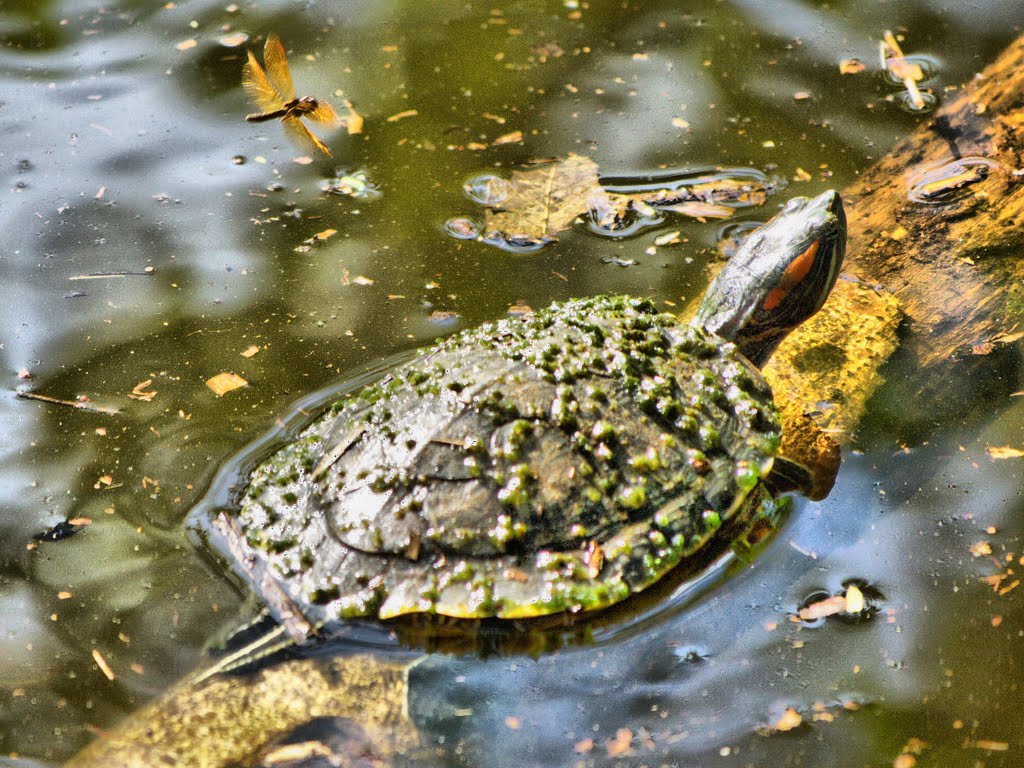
pixel 124 151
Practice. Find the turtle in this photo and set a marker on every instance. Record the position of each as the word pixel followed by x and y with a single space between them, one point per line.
pixel 558 462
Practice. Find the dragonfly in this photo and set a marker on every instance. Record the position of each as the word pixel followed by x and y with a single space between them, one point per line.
pixel 274 93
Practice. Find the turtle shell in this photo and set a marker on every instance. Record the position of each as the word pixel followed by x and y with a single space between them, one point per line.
pixel 529 466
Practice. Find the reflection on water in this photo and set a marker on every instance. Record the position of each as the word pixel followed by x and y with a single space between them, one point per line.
pixel 125 150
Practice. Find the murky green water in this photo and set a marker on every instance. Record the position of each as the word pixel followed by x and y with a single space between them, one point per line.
pixel 121 146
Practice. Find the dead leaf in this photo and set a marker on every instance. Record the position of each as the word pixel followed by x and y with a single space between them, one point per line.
pixel 223 383
pixel 699 210
pixel 981 549
pixel 583 746
pixel 536 205
pixel 830 606
pixel 788 720
pixel 509 138
pixel 353 120
pixel 995 746
pixel 1003 452
pixel 544 201
pixel 854 599
pixel 250 351
pixel 102 664
pixel 141 393
pixel 402 115
pixel 185 45
pixel 622 743
pixel 851 66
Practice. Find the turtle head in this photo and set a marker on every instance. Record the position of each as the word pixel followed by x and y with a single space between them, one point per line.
pixel 780 276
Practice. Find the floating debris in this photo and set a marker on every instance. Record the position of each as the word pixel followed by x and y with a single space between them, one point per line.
pixel 950 181
pixel 82 405
pixel 223 383
pixel 903 70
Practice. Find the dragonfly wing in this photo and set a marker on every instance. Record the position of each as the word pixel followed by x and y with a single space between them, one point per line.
pixel 276 62
pixel 324 114
pixel 258 88
pixel 302 137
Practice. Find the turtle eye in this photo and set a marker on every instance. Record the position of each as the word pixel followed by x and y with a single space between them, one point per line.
pixel 796 271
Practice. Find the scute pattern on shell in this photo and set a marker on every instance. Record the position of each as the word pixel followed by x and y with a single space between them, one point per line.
pixel 554 463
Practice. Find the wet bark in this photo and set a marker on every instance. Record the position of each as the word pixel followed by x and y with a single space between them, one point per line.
pixel 955 266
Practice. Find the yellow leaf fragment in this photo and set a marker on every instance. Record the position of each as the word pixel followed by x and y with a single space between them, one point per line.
pixel 995 746
pixel 325 235
pixel 622 743
pixel 583 746
pixel 223 383
pixel 141 393
pixel 233 41
pixel 788 720
pixel 854 599
pixel 851 66
pixel 678 122
pixel 1003 452
pixel 102 664
pixel 249 351
pixel 981 549
pixel 402 115
pixel 699 210
pixel 305 751
pixel 185 45
pixel 830 606
pixel 509 138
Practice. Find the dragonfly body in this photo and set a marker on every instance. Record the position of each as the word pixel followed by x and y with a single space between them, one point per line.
pixel 303 107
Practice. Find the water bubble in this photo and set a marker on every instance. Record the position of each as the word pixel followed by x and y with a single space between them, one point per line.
pixel 906 101
pixel 462 228
pixel 443 318
pixel 355 184
pixel 487 189
pixel 926 64
pixel 516 243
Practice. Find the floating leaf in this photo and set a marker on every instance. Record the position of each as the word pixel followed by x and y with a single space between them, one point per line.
pixel 854 599
pixel 788 720
pixel 141 393
pixel 851 66
pixel 250 351
pixel 830 606
pixel 534 206
pixel 509 138
pixel 223 383
pixel 402 115
pixel 544 201
pixel 1003 452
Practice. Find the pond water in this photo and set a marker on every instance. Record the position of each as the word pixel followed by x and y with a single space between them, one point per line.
pixel 153 236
